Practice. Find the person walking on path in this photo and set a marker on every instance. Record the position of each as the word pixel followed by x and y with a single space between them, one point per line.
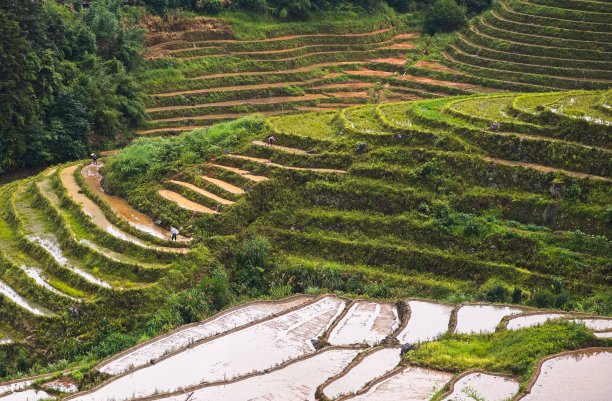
pixel 94 159
pixel 271 140
pixel 174 233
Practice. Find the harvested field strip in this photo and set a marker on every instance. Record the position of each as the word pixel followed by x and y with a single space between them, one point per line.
pixel 365 323
pixel 244 173
pixel 432 65
pixel 203 192
pixel 169 130
pixel 122 208
pixel 93 211
pixel 430 81
pixel 228 116
pixel 186 336
pixel 288 71
pixel 542 168
pixel 269 100
pixel 286 149
pixel 268 162
pixel 224 185
pixel 389 60
pixel 184 203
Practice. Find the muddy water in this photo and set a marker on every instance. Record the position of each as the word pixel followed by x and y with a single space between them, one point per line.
pixel 574 377
pixel 181 339
pixel 91 209
pixel 120 206
pixel 365 322
pixel 483 386
pixel 27 395
pixel 296 382
pixel 371 367
pixel 428 320
pixel 55 250
pixel 31 307
pixel 604 334
pixel 411 384
pixel 521 322
pixel 481 318
pixel 37 275
pixel 253 349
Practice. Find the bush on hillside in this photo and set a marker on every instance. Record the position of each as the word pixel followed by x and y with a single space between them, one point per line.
pixel 444 16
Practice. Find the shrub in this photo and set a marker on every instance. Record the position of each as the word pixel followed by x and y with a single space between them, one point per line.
pixel 497 293
pixel 444 16
pixel 251 263
pixel 209 6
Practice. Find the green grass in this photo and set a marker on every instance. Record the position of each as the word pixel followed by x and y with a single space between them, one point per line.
pixel 512 352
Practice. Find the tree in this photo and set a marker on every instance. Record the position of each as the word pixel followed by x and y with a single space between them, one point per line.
pixel 444 16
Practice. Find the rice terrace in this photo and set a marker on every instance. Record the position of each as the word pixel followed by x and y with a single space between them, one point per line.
pixel 364 200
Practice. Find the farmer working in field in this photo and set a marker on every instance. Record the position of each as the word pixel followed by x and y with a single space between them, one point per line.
pixel 271 140
pixel 174 233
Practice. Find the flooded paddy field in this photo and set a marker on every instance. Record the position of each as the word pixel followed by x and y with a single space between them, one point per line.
pixel 330 348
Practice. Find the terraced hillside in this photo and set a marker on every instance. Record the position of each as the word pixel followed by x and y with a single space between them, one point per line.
pixel 195 80
pixel 410 199
pixel 534 45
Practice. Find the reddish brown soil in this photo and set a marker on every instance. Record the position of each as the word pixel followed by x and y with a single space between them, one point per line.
pixel 291 71
pixel 370 73
pixel 425 80
pixel 390 60
pixel 432 65
pixel 236 88
pixel 401 46
pixel 268 100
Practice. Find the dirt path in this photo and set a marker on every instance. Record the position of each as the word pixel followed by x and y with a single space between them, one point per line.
pixel 184 203
pixel 91 209
pixel 432 65
pixel 400 46
pixel 545 169
pixel 216 116
pixel 548 139
pixel 431 81
pixel 224 185
pixel 265 100
pixel 283 148
pixel 122 208
pixel 389 60
pixel 346 95
pixel 347 85
pixel 246 174
pixel 203 192
pixel 269 162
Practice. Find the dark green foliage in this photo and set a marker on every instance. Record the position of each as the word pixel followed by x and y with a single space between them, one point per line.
pixel 64 76
pixel 517 295
pixel 497 293
pixel 251 263
pixel 444 16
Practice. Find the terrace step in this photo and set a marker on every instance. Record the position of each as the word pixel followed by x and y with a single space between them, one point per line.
pixel 122 208
pixel 269 162
pixel 542 168
pixel 95 213
pixel 286 149
pixel 203 192
pixel 244 173
pixel 224 185
pixel 24 303
pixel 185 203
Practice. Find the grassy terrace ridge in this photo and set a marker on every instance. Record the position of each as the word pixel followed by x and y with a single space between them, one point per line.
pixel 534 45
